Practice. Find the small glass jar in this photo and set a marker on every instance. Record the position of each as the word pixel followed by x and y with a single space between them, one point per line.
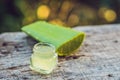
pixel 44 58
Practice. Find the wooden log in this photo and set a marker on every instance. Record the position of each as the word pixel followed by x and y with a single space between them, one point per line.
pixel 98 59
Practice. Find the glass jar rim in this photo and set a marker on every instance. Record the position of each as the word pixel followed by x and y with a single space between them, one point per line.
pixel 44 43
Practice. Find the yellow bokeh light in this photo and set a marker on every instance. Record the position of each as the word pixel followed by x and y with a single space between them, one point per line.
pixel 57 22
pixel 66 5
pixel 110 15
pixel 73 20
pixel 43 12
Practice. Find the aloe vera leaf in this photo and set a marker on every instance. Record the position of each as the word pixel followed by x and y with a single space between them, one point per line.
pixel 64 39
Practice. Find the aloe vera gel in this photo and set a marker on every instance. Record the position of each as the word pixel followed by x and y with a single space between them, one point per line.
pixel 44 58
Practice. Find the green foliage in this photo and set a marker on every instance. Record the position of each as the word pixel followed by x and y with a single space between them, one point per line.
pixel 10 16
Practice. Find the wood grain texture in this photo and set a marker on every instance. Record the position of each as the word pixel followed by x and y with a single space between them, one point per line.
pixel 97 59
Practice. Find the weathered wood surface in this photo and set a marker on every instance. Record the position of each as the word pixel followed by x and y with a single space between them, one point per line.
pixel 97 59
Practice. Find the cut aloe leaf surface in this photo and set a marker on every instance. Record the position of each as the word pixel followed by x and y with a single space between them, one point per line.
pixel 66 40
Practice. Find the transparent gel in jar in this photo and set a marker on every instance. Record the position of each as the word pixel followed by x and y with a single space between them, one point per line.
pixel 44 58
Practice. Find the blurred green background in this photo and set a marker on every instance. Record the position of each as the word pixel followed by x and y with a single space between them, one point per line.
pixel 69 13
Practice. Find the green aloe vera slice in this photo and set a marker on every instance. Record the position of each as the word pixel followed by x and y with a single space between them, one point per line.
pixel 66 40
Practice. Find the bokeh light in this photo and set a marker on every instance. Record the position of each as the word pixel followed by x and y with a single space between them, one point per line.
pixel 57 22
pixel 110 15
pixel 43 12
pixel 73 20
pixel 107 14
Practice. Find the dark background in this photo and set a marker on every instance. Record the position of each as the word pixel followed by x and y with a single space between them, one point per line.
pixel 12 12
